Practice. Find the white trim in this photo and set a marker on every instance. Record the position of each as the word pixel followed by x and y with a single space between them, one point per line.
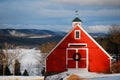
pixel 59 43
pixel 81 59
pixel 45 64
pixel 69 58
pixel 94 41
pixel 75 34
pixel 76 64
pixel 76 49
pixel 77 44
pixel 87 63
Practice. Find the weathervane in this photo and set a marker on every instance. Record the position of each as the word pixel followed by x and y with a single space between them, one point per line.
pixel 76 13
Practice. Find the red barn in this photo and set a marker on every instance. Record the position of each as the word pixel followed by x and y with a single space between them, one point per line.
pixel 78 50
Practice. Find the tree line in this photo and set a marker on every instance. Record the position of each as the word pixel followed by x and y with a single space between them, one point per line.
pixel 111 42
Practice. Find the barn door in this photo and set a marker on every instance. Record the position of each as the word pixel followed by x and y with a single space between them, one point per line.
pixel 77 58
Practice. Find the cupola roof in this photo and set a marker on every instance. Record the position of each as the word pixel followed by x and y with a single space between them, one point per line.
pixel 77 20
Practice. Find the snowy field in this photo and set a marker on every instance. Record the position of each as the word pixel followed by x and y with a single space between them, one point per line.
pixel 29 59
pixel 21 78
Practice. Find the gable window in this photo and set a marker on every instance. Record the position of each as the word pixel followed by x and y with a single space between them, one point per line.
pixel 77 34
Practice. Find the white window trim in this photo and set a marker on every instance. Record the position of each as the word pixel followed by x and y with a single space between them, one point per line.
pixel 75 34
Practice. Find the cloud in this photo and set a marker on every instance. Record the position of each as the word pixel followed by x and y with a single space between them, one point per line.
pixel 101 12
pixel 35 13
pixel 30 10
pixel 91 2
pixel 97 29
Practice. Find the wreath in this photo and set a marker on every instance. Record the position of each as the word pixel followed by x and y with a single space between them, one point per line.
pixel 76 56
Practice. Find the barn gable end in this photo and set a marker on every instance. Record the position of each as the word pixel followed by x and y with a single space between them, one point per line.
pixel 92 56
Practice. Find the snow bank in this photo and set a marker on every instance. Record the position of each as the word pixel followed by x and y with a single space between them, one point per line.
pixel 83 73
pixel 113 77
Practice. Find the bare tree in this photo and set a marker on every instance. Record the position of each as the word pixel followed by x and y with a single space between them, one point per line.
pixel 114 40
pixel 9 58
pixel 15 54
pixel 2 68
pixel 1 56
pixel 47 47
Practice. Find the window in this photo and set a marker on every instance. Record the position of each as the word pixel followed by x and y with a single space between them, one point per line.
pixel 77 34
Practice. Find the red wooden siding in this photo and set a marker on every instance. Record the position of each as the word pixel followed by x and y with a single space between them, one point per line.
pixel 98 60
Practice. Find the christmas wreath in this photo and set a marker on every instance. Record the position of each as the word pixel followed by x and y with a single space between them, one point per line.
pixel 76 56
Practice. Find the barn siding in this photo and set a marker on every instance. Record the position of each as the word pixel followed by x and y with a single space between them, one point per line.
pixel 97 58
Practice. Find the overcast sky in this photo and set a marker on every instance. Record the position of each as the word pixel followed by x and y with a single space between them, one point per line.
pixel 97 15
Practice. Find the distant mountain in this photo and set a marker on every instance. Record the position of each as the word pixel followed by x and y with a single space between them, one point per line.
pixel 95 35
pixel 29 37
pixel 33 37
pixel 28 32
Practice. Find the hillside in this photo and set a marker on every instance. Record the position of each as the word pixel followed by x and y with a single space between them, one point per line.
pixel 32 37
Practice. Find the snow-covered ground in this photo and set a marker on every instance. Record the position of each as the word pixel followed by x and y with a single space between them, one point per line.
pixel 21 78
pixel 84 74
pixel 29 56
pixel 110 77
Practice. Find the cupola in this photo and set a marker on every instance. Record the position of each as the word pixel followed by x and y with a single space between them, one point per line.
pixel 76 21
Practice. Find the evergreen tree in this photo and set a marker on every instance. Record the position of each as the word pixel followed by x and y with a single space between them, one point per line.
pixel 17 68
pixel 1 69
pixel 7 71
pixel 25 73
pixel 43 72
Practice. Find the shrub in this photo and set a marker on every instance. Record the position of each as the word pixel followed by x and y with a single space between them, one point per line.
pixel 47 47
pixel 115 67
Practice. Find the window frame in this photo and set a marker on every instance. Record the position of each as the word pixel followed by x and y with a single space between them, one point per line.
pixel 76 35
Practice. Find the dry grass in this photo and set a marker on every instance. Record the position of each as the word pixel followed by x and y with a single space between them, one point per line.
pixel 21 78
pixel 75 77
